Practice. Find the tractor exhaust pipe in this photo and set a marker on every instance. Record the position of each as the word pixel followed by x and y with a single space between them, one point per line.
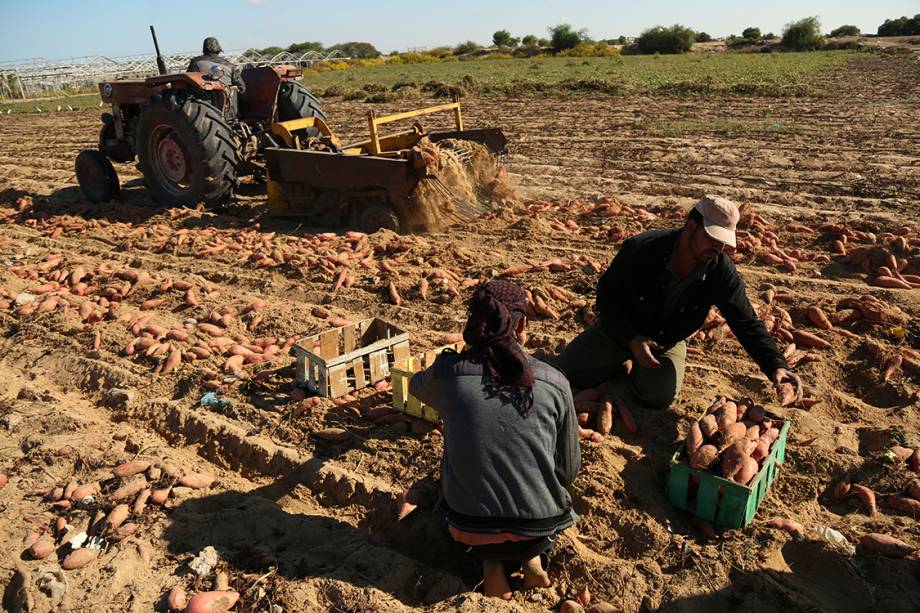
pixel 161 65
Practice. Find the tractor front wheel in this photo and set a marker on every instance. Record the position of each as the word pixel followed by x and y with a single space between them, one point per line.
pixel 186 152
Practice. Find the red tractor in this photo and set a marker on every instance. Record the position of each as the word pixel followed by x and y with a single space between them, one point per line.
pixel 192 137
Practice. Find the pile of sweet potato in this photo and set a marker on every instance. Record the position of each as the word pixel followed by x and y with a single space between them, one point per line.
pixel 732 440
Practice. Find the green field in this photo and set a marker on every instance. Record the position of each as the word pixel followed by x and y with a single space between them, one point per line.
pixel 766 74
pixel 761 74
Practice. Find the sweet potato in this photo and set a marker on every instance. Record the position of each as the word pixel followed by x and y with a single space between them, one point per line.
pixel 915 460
pixel 890 282
pixel 756 414
pixel 196 481
pixel 177 599
pixel 79 558
pixel 749 468
pixel 913 489
pixel 727 415
pixel 212 602
pixel 709 426
pixel 570 606
pixel 605 417
pixel 761 451
pixel 41 548
pixel 394 294
pixel 140 503
pixel 866 495
pixel 819 318
pixel 904 505
pixel 733 460
pixel 807 339
pixel 902 453
pixel 731 435
pixel 129 489
pixel 694 438
pixel 787 525
pixel 842 489
pixel 129 469
pixel 626 416
pixel 83 491
pixel 159 496
pixel 886 545
pixel 704 457
pixel 117 516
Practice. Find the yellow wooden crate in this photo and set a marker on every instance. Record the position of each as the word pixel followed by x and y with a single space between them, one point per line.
pixel 404 401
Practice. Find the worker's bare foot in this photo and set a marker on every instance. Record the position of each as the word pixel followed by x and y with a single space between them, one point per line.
pixel 534 575
pixel 494 580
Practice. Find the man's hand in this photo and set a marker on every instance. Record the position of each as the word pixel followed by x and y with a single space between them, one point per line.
pixel 642 347
pixel 788 387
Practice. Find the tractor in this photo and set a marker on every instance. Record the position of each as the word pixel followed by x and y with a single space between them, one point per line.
pixel 193 140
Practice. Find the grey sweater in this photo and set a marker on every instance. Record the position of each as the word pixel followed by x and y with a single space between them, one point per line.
pixel 502 472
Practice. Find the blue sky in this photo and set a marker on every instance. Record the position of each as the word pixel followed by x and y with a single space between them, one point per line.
pixel 69 28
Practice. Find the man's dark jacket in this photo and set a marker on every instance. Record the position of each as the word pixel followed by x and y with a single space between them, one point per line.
pixel 232 75
pixel 630 300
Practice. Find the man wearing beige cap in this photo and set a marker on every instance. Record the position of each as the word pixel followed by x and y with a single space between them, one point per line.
pixel 657 293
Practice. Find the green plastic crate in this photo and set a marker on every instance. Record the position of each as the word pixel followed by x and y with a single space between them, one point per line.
pixel 720 501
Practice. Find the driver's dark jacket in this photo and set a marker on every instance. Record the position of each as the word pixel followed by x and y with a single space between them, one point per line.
pixel 630 300
pixel 232 75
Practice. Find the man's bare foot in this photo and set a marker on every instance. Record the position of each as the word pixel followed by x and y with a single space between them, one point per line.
pixel 534 575
pixel 494 580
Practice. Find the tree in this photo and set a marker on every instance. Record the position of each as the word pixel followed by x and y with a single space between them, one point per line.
pixel 901 26
pixel 356 49
pixel 803 35
pixel 702 37
pixel 563 36
pixel 301 48
pixel 467 47
pixel 543 42
pixel 769 36
pixel 503 38
pixel 675 39
pixel 751 33
pixel 271 51
pixel 845 31
pixel 529 41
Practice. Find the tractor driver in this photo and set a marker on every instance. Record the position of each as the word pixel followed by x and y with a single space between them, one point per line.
pixel 210 57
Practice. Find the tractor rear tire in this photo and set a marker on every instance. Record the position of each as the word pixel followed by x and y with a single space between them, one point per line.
pixel 296 102
pixel 96 176
pixel 186 152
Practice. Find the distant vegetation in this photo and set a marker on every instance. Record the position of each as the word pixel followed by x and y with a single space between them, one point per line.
pixel 902 26
pixel 844 31
pixel 675 39
pixel 351 49
pixel 803 35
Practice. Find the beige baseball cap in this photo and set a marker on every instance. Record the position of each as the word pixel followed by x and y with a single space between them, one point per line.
pixel 720 218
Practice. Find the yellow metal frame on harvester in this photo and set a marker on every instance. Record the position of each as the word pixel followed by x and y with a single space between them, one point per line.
pixel 377 144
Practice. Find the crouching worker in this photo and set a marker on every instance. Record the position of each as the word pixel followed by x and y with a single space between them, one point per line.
pixel 510 441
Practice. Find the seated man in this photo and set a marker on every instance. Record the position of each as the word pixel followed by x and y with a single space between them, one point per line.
pixel 232 77
pixel 656 293
pixel 510 440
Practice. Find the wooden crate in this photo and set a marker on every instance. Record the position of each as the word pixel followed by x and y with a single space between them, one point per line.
pixel 402 399
pixel 342 360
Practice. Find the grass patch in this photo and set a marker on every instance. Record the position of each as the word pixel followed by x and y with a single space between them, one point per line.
pixel 773 75
pixel 77 102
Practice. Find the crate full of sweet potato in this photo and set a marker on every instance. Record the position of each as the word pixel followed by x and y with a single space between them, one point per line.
pixel 729 460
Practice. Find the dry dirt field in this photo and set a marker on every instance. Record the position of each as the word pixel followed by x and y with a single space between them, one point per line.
pixel 302 523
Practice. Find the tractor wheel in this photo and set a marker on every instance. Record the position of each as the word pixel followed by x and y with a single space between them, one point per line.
pixel 186 152
pixel 296 102
pixel 372 216
pixel 108 144
pixel 96 176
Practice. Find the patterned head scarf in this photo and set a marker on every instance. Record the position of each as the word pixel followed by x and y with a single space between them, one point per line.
pixel 490 327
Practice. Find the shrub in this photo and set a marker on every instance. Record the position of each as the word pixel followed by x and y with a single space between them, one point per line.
pixel 675 39
pixel 529 41
pixel 563 37
pixel 301 48
pixel 591 50
pixel 467 47
pixel 702 37
pixel 845 31
pixel 803 35
pixel 751 33
pixel 503 38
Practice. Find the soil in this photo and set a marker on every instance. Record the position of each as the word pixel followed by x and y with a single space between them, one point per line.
pixel 304 523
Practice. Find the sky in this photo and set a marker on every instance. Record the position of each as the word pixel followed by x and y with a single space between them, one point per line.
pixel 57 29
